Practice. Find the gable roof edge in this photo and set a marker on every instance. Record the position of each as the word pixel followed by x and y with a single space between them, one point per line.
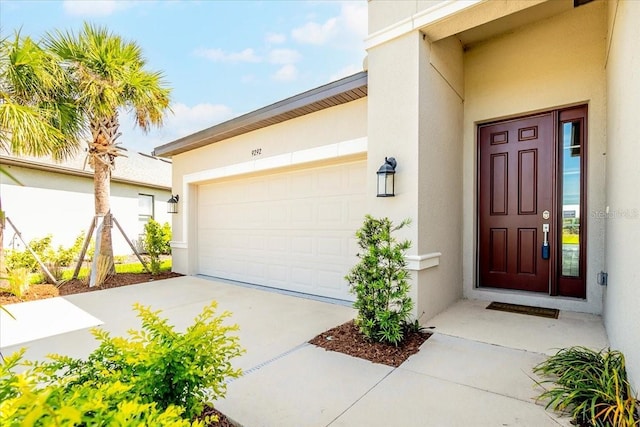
pixel 329 95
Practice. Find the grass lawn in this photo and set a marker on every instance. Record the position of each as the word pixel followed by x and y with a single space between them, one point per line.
pixel 132 267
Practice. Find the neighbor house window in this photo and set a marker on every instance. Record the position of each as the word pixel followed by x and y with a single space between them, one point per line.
pixel 145 211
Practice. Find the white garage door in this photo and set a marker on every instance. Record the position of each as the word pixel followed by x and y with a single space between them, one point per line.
pixel 293 230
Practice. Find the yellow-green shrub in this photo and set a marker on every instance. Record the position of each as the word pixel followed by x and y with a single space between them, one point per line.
pixel 18 282
pixel 156 372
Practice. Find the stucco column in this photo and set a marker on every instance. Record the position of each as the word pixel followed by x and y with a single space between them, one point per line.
pixel 415 115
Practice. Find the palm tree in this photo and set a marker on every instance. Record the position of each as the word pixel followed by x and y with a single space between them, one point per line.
pixel 38 116
pixel 109 76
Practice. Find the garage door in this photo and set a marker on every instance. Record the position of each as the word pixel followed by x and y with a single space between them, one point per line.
pixel 292 230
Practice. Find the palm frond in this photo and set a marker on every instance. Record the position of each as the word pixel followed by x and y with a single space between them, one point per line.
pixel 11 177
pixel 37 113
pixel 109 74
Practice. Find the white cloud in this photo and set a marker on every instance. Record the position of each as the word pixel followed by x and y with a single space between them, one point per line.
pixel 348 28
pixel 286 73
pixel 344 72
pixel 94 8
pixel 275 38
pixel 219 55
pixel 184 121
pixel 314 33
pixel 284 56
pixel 354 18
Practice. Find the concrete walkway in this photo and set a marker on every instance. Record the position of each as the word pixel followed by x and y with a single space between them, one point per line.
pixel 474 371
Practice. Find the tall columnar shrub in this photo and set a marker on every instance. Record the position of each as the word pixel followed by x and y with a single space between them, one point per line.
pixel 380 282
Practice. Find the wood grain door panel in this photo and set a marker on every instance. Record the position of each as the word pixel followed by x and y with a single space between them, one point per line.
pixel 516 176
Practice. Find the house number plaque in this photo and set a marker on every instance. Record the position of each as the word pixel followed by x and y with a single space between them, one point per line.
pixel 256 152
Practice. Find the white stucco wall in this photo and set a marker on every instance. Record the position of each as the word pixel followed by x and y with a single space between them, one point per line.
pixel 63 206
pixel 323 136
pixel 622 296
pixel 545 65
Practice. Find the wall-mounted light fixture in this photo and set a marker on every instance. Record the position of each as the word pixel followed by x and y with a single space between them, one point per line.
pixel 386 176
pixel 172 204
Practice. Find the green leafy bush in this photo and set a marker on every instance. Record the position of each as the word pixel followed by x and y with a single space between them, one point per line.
pixel 38 398
pixel 157 376
pixel 55 260
pixel 591 386
pixel 24 259
pixel 156 243
pixel 65 256
pixel 379 282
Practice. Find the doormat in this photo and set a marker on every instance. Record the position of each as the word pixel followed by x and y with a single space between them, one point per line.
pixel 550 313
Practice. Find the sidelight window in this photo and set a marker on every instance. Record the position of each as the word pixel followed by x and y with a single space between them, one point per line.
pixel 571 197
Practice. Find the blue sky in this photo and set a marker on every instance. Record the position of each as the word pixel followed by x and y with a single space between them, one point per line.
pixel 222 58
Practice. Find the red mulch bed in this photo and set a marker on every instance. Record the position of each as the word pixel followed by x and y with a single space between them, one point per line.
pixel 120 279
pixel 77 286
pixel 347 339
pixel 223 421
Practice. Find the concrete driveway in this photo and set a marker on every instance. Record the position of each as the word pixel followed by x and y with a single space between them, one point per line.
pixel 464 375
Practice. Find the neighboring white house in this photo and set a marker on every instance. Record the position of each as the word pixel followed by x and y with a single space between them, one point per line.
pixel 502 115
pixel 57 198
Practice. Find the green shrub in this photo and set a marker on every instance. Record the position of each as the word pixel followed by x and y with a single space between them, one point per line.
pixel 166 239
pixel 38 398
pixel 55 260
pixel 24 259
pixel 155 243
pixel 65 256
pixel 379 282
pixel 157 376
pixel 591 386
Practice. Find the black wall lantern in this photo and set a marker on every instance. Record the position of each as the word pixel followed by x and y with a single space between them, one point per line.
pixel 386 176
pixel 172 204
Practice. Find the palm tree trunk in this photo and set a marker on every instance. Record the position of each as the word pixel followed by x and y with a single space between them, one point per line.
pixel 105 132
pixel 102 189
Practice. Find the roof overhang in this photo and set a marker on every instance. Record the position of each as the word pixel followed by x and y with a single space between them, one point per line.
pixel 330 95
pixel 29 164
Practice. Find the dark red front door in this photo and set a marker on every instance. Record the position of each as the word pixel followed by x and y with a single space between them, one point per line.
pixel 516 183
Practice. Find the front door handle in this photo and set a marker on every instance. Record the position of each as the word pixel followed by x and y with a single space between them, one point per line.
pixel 546 252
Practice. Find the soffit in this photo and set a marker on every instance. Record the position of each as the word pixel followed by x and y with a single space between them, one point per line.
pixel 512 22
